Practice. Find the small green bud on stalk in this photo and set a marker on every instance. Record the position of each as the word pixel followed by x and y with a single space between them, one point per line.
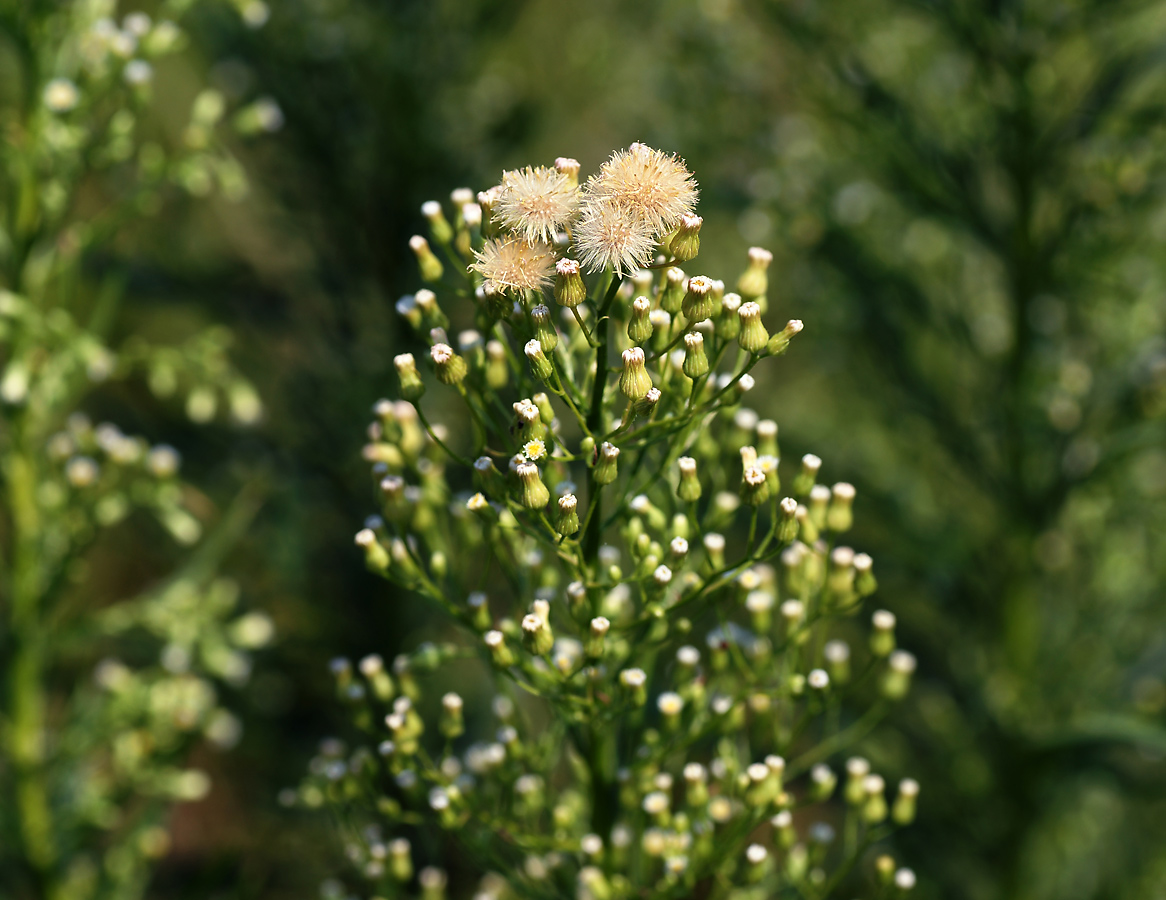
pixel 857 769
pixel 431 314
pixel 376 557
pixel 688 489
pixel 757 860
pixel 606 471
pixel 896 680
pixel 807 476
pixel 412 387
pixel 567 519
pixel 640 325
pixel 530 422
pixel 874 808
pixel 779 343
pixel 596 637
pixel 729 321
pixel 840 577
pixel 754 486
pixel 439 228
pixel 767 438
pixel 661 322
pixel 837 655
pixel 430 265
pixel 793 613
pixel 537 635
pixel 864 580
pixel 502 655
pixel 903 810
pixel 783 826
pixel 479 605
pixel 787 529
pixel 635 685
pixel 450 368
pixel 487 477
pixel 699 303
pixel 646 404
pixel 400 860
pixel 577 598
pixel 760 607
pixel 372 667
pixel 671 705
pixel 634 381
pixel 685 243
pixel 534 494
pixel 882 639
pixel 754 281
pixel 819 501
pixel 452 723
pixel 714 548
pixel 540 365
pixel 431 879
pixel 570 290
pixel 822 782
pixel 497 372
pixel 807 530
pixel 544 328
pixel 593 883
pixel 672 297
pixel 752 337
pixel 885 870
pixel 840 515
pixel 768 465
pixel 696 362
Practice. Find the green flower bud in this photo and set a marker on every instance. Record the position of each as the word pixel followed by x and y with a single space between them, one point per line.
pixel 530 421
pixel 714 548
pixel 372 667
pixel 540 366
pixel 596 638
pixel 754 282
pixel 593 883
pixel 482 508
pixel 696 792
pixel 545 410
pixel 753 337
pixel 696 362
pixel 430 265
pixel 779 343
pixel 672 297
pixel 699 303
pixel 822 783
pixel 840 579
pixel 376 557
pixel 840 515
pixel 646 404
pixel 885 869
pixel 439 229
pixel 729 320
pixel 671 705
pixel 635 685
pixel 534 493
pixel 400 859
pixel 896 680
pixel 634 381
pixel 754 486
pixel 819 500
pixel 640 325
pixel 783 826
pixel 857 769
pixel 431 314
pixel 570 290
pixel 864 580
pixel 502 655
pixel 479 605
pixel 837 654
pixel 760 607
pixel 497 371
pixel 544 328
pixel 412 387
pixel 565 165
pixel 874 807
pixel 605 471
pixel 903 811
pixel 537 635
pixel 882 639
pixel 685 243
pixel 787 529
pixel 450 368
pixel 688 489
pixel 567 520
pixel 452 724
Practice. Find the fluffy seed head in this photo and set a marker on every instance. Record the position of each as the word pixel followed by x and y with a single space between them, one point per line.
pixel 608 233
pixel 655 186
pixel 536 202
pixel 515 263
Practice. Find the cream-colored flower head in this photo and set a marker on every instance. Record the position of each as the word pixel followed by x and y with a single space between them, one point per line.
pixel 515 263
pixel 656 186
pixel 609 233
pixel 536 202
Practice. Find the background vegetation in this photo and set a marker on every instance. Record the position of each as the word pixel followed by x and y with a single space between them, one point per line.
pixel 966 203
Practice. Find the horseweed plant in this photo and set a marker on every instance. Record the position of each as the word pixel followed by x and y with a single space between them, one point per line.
pixel 103 697
pixel 660 623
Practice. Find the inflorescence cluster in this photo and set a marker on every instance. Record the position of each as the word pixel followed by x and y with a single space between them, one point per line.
pixel 661 666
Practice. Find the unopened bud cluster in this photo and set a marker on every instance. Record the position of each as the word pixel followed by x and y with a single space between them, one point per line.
pixel 666 636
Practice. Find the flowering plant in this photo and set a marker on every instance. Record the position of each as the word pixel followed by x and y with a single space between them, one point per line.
pixel 652 676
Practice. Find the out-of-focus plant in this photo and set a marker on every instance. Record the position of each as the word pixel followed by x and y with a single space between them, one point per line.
pixel 654 665
pixel 102 698
pixel 978 190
